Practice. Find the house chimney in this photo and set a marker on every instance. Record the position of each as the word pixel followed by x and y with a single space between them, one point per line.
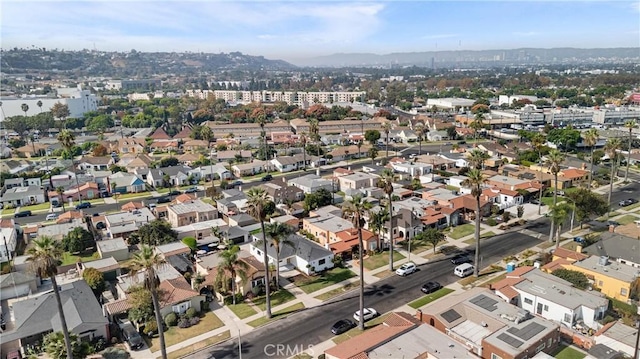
pixel 419 315
pixel 579 248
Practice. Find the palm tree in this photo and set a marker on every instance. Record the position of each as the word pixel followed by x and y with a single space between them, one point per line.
pixel 60 191
pixel 376 224
pixel 477 124
pixel 559 214
pixel 590 139
pixel 386 127
pixel 39 104
pixel 537 142
pixel 630 124
pixel 68 141
pixel 232 266
pixel 24 108
pixel 612 147
pixel 475 180
pixel 279 234
pixel 386 183
pixel 44 257
pixel 147 262
pixel 554 160
pixel 419 129
pixel 355 209
pixel 477 158
pixel 257 201
pixel 314 133
pixel 303 141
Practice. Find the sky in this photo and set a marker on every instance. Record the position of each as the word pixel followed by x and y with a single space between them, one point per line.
pixel 293 30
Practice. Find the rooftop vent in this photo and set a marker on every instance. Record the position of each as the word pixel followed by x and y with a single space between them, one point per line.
pixel 603 261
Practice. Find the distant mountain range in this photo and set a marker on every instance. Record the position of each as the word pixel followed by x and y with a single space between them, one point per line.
pixel 478 58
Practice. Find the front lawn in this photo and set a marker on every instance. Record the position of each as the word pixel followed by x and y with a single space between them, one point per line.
pixel 36 207
pixel 125 196
pixel 567 352
pixel 177 335
pixel 8 211
pixel 242 310
pixel 337 291
pixel 276 315
pixel 626 219
pixel 68 258
pixel 484 235
pixel 430 298
pixel 381 259
pixel 330 277
pixel 280 297
pixel 462 231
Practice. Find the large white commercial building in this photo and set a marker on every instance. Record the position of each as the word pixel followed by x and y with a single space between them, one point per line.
pixel 290 97
pixel 450 103
pixel 79 102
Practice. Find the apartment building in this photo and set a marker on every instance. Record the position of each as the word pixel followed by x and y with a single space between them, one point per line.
pixel 190 212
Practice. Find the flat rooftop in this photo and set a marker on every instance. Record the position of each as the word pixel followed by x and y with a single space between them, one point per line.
pixel 423 338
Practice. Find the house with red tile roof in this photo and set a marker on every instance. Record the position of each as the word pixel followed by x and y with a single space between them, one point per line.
pixel 348 242
pixel 466 204
pixel 504 198
pixel 184 134
pixel 160 134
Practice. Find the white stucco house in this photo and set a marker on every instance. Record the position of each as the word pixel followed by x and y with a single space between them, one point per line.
pixel 306 256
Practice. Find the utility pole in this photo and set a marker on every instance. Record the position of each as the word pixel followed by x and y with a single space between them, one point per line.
pixel 635 353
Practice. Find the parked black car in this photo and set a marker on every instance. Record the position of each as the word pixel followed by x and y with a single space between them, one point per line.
pixel 131 336
pixel 191 190
pixel 430 287
pixel 83 205
pixel 267 178
pixel 460 259
pixel 164 199
pixel 22 214
pixel 342 326
pixel 175 193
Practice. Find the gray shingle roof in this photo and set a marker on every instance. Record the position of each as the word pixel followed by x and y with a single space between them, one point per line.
pixel 301 247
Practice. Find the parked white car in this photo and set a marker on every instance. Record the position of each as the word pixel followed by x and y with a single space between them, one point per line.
pixel 52 216
pixel 406 269
pixel 369 313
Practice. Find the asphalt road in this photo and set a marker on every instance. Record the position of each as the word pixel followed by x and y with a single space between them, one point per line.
pixel 311 326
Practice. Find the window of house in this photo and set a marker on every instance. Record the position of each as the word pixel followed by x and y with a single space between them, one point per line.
pixel 257 282
pixel 546 308
pixel 541 347
pixel 181 308
pixel 495 356
pixel 567 318
pixel 528 301
pixel 322 261
pixel 600 283
pixel 623 291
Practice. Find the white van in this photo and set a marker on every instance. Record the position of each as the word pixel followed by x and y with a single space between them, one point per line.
pixel 463 270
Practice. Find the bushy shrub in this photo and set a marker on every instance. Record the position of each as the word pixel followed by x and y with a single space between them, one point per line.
pixel 191 312
pixel 171 319
pixel 183 323
pixel 194 320
pixel 150 327
pixel 492 222
pixel 115 353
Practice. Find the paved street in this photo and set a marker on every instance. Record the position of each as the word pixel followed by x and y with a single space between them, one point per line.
pixel 311 326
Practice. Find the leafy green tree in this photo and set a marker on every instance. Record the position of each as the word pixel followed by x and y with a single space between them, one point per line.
pixel 148 262
pixel 141 304
pixel 372 136
pixel 317 199
pixel 77 240
pixel 55 347
pixel 95 280
pixel 433 236
pixel 578 279
pixel 169 162
pixel 588 204
pixel 155 233
pixel 60 111
pixel 190 242
pixel 44 256
pixel 373 153
pixel 355 209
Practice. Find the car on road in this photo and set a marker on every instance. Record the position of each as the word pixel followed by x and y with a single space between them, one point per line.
pixel 191 190
pixel 534 201
pixel 164 199
pixel 235 184
pixel 406 269
pixel 174 193
pixel 51 216
pixel 83 205
pixel 368 314
pixel 131 335
pixel 342 326
pixel 613 223
pixel 22 214
pixel 579 240
pixel 460 259
pixel 430 287
pixel 627 202
pixel 266 178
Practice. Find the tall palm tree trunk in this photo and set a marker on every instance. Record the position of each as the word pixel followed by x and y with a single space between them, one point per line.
pixel 626 174
pixel 304 157
pixel 613 170
pixel 233 285
pixel 419 146
pixel 591 169
pixel 277 279
pixel 555 201
pixel 361 260
pixel 265 258
pixel 390 234
pixel 388 150
pixel 476 269
pixel 63 319
pixel 156 306
pixel 541 185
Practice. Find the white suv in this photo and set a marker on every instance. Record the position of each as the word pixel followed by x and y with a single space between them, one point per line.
pixel 406 269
